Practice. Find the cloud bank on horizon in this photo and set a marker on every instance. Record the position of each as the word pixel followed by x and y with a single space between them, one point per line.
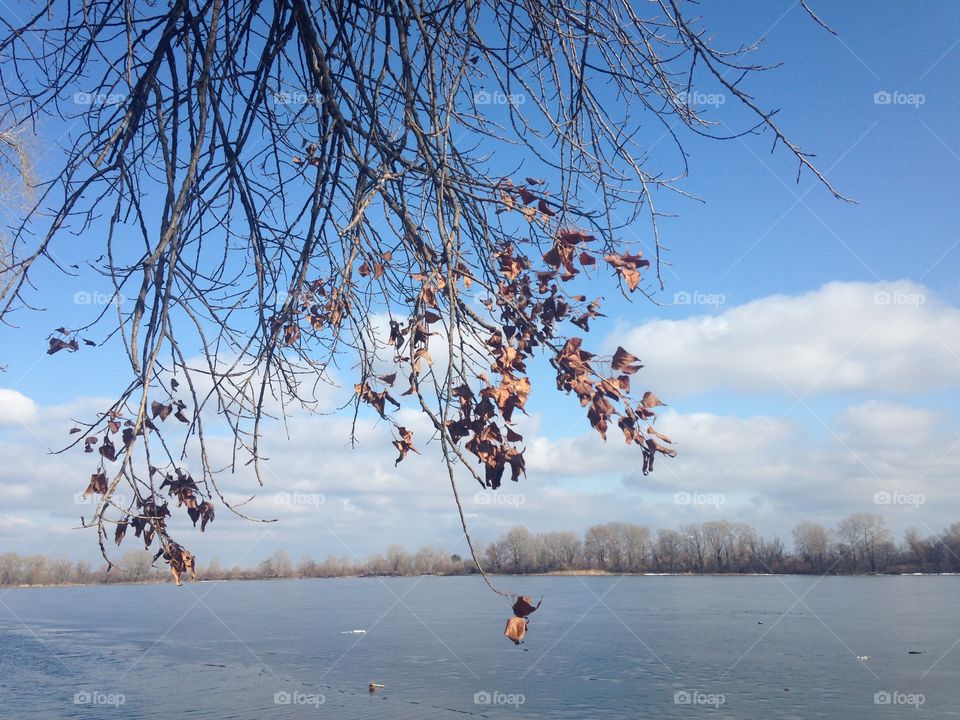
pixel 785 408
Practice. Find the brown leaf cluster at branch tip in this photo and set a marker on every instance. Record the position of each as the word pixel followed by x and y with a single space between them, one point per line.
pixel 516 629
pixel 147 514
pixel 404 444
pixel 628 267
pixel 531 306
pixel 378 399
pixel 56 344
pixel 319 305
pixel 163 410
pixel 98 484
pixel 520 198
pixel 179 559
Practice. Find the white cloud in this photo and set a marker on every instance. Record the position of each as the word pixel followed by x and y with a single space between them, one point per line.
pixel 772 469
pixel 13 523
pixel 772 472
pixel 15 407
pixel 874 337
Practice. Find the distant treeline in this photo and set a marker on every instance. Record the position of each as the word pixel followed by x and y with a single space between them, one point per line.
pixel 860 543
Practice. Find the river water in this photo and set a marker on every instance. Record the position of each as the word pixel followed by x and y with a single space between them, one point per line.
pixel 599 647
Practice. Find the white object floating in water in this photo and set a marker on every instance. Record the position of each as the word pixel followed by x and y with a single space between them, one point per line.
pixel 354 632
pixel 863 657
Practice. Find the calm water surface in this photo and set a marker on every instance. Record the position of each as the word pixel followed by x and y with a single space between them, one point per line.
pixel 600 647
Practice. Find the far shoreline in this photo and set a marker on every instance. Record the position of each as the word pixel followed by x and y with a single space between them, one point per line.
pixel 553 573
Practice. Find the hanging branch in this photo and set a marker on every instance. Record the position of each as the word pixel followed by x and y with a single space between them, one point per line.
pixel 294 190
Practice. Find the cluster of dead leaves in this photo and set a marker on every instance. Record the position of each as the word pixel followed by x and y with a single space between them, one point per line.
pixel 377 398
pixel 410 343
pixel 310 150
pixel 105 445
pixel 320 305
pixel 148 519
pixel 325 305
pixel 599 393
pixel 149 523
pixel 492 439
pixel 163 411
pixel 178 558
pixel 566 252
pixel 69 342
pixel 516 629
pixel 522 198
pixel 404 444
pixel 183 487
pixel 529 305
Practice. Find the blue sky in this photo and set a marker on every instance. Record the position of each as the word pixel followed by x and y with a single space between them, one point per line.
pixel 815 365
